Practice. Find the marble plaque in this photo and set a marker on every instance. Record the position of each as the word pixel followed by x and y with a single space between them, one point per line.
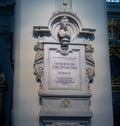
pixel 64 70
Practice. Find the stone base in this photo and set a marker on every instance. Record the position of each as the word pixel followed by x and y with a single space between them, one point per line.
pixel 65 110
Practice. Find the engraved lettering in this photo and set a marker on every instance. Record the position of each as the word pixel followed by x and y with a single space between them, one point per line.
pixel 70 66
pixel 64 70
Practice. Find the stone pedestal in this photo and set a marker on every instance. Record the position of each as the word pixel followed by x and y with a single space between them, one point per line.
pixel 65 110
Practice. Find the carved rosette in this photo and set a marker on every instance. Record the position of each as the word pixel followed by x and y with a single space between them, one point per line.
pixel 65 103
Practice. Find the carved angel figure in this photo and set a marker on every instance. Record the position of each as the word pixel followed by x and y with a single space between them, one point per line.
pixel 38 63
pixel 90 65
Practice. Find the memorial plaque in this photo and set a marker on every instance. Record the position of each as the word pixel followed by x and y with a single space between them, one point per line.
pixel 64 70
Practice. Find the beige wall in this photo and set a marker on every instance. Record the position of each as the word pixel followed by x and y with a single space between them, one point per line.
pixel 31 13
